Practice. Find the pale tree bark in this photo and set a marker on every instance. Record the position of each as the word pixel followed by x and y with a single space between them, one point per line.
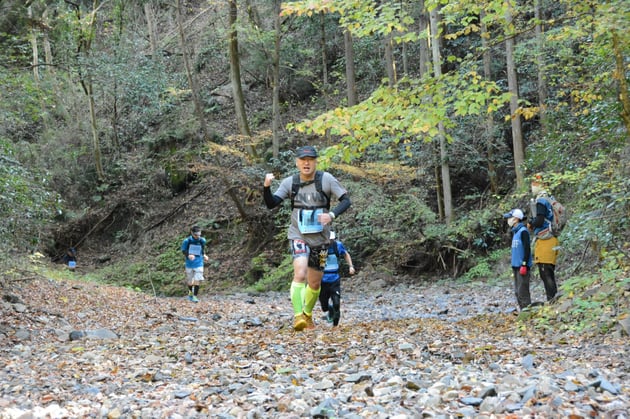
pixel 489 124
pixel 199 112
pixel 540 64
pixel 517 133
pixel 322 25
pixel 60 106
pixel 86 32
pixel 235 79
pixel 390 64
pixel 404 57
pixel 35 50
pixel 46 43
pixel 423 22
pixel 275 80
pixel 351 84
pixel 94 127
pixel 149 14
pixel 619 75
pixel 444 160
pixel 192 82
pixel 118 27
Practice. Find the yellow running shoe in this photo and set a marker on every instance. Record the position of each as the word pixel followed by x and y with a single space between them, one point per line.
pixel 300 322
pixel 309 321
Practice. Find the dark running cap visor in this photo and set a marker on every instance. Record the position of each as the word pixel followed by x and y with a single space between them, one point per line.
pixel 306 151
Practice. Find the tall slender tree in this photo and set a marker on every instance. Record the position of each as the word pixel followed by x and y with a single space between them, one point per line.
pixel 444 158
pixel 192 81
pixel 540 62
pixel 275 79
pixel 149 15
pixel 424 61
pixel 85 29
pixel 351 85
pixel 515 117
pixel 489 122
pixel 235 78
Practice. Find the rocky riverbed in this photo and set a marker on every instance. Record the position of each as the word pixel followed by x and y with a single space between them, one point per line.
pixel 73 349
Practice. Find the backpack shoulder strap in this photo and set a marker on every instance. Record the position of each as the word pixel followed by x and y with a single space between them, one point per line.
pixel 335 248
pixel 295 187
pixel 201 243
pixel 319 175
pixel 296 183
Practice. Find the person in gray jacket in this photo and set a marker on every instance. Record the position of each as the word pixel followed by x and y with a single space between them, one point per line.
pixel 310 193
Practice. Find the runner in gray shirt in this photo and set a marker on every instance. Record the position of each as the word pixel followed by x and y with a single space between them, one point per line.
pixel 309 231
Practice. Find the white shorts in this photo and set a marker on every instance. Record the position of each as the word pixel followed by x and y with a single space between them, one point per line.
pixel 194 275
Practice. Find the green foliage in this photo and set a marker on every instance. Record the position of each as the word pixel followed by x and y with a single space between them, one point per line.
pixel 413 109
pixel 591 303
pixel 272 278
pixel 486 267
pixel 162 275
pixel 26 203
pixel 22 104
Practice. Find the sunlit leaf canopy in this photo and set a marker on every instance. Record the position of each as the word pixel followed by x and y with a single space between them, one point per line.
pixel 410 110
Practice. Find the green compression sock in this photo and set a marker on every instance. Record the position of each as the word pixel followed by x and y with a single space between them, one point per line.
pixel 310 299
pixel 297 297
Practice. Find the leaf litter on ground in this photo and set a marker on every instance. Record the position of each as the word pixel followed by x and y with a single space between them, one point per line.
pixel 403 351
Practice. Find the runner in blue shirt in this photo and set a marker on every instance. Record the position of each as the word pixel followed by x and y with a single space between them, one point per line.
pixel 330 295
pixel 193 248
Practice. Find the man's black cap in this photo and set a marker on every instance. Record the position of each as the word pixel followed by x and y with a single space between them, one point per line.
pixel 306 151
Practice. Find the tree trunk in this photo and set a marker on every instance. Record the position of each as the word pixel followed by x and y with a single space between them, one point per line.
pixel 151 28
pixel 33 39
pixel 235 78
pixel 619 75
pixel 192 82
pixel 275 81
pixel 425 62
pixel 489 124
pixel 438 181
pixel 96 147
pixel 119 20
pixel 350 73
pixel 86 31
pixel 322 25
pixel 444 160
pixel 405 59
pixel 47 49
pixel 204 127
pixel 540 64
pixel 517 134
pixel 389 61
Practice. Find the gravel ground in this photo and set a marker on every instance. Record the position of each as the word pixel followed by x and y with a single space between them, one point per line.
pixel 400 351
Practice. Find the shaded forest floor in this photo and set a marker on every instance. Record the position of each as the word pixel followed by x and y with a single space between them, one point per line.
pixel 423 350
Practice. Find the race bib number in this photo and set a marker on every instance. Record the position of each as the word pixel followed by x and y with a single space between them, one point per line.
pixel 298 247
pixel 194 249
pixel 308 223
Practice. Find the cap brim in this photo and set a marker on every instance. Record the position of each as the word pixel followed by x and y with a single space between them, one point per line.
pixel 508 215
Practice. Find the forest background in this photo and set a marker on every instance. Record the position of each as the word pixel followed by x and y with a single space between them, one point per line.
pixel 126 122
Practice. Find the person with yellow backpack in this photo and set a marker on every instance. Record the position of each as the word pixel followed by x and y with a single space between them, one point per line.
pixel 548 218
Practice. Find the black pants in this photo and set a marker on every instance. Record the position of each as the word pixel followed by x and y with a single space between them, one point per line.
pixel 548 276
pixel 521 288
pixel 331 291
